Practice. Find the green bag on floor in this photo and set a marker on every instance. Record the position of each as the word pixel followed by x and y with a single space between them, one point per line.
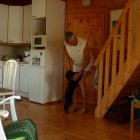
pixel 21 130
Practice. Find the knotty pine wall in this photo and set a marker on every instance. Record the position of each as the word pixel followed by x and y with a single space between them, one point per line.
pixel 109 4
pixel 97 6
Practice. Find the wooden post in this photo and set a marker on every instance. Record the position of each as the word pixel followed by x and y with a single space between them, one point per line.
pixel 129 42
pixel 122 43
pixel 106 78
pixel 114 61
pixel 132 116
pixel 99 97
pixel 137 47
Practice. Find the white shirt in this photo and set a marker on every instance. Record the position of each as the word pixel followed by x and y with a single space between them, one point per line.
pixel 76 53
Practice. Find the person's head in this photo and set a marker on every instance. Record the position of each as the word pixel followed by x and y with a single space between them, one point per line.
pixel 70 38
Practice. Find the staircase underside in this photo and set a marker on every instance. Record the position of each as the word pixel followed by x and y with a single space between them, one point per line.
pixel 122 90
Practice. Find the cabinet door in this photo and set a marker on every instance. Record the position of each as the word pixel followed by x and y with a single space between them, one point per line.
pixel 17 79
pixel 24 78
pixel 15 24
pixel 27 24
pixel 37 93
pixel 39 8
pixel 91 26
pixel 3 22
pixel 0 77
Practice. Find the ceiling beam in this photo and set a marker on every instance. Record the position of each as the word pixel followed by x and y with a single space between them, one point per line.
pixel 16 2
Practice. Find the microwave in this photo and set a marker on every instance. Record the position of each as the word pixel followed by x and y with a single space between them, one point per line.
pixel 39 41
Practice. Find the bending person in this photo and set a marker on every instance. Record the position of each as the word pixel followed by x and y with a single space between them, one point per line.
pixel 80 60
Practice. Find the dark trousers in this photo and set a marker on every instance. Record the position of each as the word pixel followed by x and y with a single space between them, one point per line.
pixel 70 89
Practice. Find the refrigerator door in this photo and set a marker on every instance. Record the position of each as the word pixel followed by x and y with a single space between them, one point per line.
pixel 38 58
pixel 36 84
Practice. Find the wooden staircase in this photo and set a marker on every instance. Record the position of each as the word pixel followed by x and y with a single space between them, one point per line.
pixel 119 60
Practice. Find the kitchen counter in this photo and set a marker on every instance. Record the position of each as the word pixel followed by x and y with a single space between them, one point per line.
pixel 3 62
pixel 22 78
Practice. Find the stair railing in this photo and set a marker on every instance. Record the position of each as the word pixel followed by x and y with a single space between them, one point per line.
pixel 117 52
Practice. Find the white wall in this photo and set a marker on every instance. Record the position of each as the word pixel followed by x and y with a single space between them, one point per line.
pixel 55 21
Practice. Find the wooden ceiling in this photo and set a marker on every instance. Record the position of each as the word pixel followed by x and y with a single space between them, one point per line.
pixel 15 2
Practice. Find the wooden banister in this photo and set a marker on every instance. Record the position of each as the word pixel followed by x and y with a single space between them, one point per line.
pixel 137 29
pixel 114 58
pixel 115 55
pixel 130 36
pixel 115 29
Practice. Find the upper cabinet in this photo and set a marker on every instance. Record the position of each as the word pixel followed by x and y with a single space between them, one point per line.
pixel 3 22
pixel 15 24
pixel 39 8
pixel 27 24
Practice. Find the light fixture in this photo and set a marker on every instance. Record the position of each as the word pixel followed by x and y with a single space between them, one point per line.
pixel 86 2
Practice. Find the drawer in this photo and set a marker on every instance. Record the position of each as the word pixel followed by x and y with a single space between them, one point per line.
pixel 0 85
pixel 0 75
pixel 1 64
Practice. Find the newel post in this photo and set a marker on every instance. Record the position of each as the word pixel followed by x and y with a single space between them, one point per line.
pixel 137 30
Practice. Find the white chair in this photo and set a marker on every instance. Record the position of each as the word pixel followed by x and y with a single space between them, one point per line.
pixel 21 129
pixel 4 113
pixel 24 129
pixel 9 77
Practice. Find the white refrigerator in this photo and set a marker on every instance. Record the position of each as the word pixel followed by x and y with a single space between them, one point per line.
pixel 46 75
pixel 37 74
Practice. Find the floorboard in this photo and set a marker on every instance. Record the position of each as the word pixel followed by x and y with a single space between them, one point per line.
pixel 53 124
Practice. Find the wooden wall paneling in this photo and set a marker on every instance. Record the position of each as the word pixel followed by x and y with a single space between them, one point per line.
pixel 110 4
pixel 90 25
pixel 107 4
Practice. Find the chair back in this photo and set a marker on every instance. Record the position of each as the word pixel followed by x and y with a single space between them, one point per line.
pixel 10 71
pixel 5 113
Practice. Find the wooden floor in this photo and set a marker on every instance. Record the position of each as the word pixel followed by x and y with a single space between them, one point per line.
pixel 53 124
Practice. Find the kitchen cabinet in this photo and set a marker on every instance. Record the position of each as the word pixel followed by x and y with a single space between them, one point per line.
pixel 3 22
pixel 1 68
pixel 15 24
pixel 39 8
pixel 27 24
pixel 17 79
pixel 37 85
pixel 24 78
